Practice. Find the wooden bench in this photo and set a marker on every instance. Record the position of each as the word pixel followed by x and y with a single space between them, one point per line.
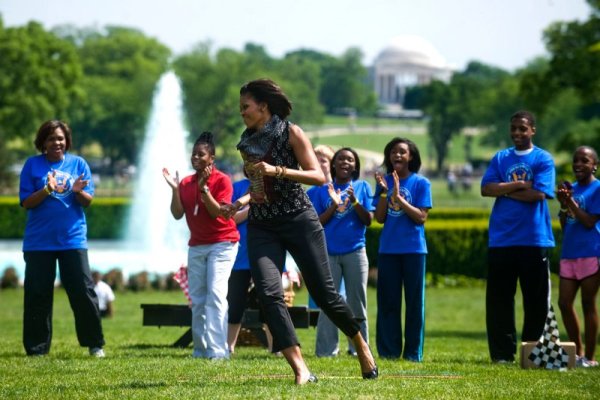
pixel 181 315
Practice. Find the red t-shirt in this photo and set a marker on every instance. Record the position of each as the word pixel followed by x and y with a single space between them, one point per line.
pixel 203 228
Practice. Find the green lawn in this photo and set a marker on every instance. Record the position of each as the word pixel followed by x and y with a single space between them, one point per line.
pixel 374 137
pixel 140 363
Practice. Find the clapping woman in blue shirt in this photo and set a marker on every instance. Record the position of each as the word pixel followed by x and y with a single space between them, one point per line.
pixel 402 201
pixel 344 208
pixel 55 187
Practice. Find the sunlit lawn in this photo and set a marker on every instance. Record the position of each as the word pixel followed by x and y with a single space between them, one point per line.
pixel 141 364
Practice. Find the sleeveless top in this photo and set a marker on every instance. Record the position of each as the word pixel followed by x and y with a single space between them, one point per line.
pixel 273 197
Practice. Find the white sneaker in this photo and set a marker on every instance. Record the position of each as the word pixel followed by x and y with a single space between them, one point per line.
pixel 97 352
pixel 583 362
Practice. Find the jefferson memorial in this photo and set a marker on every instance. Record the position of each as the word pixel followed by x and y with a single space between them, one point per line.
pixel 407 61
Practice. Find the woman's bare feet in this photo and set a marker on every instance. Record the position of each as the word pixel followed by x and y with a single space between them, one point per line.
pixel 293 355
pixel 308 378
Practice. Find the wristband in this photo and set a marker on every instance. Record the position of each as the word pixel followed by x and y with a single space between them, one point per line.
pixel 47 190
pixel 355 202
pixel 383 194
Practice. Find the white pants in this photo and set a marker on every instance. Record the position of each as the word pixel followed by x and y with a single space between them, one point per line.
pixel 209 267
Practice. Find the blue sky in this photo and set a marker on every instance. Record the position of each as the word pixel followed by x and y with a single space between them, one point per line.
pixel 505 33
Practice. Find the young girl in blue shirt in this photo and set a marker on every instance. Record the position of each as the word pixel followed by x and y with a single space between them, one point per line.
pixel 344 208
pixel 402 202
pixel 579 215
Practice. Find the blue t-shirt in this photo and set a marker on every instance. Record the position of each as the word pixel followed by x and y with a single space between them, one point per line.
pixel 58 222
pixel 312 193
pixel 400 234
pixel 242 262
pixel 344 232
pixel 579 241
pixel 514 222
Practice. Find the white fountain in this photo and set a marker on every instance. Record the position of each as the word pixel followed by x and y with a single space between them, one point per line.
pixel 159 241
pixel 153 240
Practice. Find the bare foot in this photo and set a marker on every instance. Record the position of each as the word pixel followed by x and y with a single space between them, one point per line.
pixel 306 378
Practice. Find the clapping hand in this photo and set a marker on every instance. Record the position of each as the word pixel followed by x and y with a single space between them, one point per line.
pixel 380 181
pixel 173 182
pixel 79 184
pixel 51 180
pixel 564 193
pixel 396 192
pixel 204 175
pixel 350 193
pixel 333 194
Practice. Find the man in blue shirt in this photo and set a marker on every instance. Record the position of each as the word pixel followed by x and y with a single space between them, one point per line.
pixel 521 178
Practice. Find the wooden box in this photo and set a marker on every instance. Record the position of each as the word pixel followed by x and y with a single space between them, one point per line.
pixel 526 348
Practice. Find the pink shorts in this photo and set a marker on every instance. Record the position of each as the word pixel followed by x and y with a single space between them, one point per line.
pixel 578 268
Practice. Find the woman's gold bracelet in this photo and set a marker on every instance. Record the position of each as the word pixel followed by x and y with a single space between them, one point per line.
pixel 280 172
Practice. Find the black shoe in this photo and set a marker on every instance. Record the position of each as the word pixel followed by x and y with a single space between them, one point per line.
pixel 372 374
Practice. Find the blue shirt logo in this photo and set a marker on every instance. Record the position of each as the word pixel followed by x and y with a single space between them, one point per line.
pixel 64 185
pixel 394 207
pixel 519 172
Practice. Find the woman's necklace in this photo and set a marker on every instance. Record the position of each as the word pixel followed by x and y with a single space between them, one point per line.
pixel 59 167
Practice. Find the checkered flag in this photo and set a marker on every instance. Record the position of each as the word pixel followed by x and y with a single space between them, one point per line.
pixel 548 353
pixel 181 277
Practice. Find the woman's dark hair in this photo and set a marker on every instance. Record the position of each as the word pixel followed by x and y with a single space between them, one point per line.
pixel 356 172
pixel 268 92
pixel 524 115
pixel 47 129
pixel 206 138
pixel 415 162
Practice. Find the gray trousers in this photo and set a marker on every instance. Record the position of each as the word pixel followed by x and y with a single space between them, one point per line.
pixel 354 269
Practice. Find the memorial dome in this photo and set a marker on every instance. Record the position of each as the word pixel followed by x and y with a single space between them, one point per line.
pixel 411 50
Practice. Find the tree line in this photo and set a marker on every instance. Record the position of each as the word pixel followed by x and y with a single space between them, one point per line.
pixel 101 81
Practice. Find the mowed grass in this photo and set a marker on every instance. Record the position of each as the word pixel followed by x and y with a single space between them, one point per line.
pixel 141 364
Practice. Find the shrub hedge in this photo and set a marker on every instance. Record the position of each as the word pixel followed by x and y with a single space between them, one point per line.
pixel 105 218
pixel 456 246
pixel 456 238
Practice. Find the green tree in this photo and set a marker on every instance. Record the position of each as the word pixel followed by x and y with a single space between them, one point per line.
pixel 446 117
pixel 211 89
pixel 564 90
pixel 344 82
pixel 575 60
pixel 121 68
pixel 481 95
pixel 39 78
pixel 582 133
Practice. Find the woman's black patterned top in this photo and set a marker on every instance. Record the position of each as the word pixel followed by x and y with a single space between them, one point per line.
pixel 283 196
